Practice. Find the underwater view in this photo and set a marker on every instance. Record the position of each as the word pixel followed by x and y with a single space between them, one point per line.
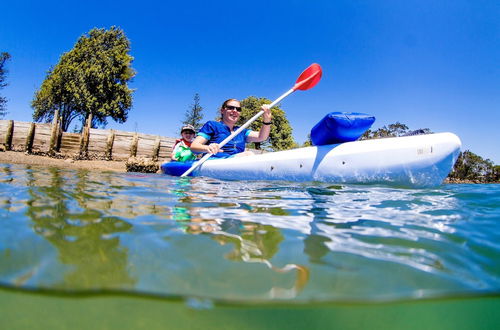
pixel 107 250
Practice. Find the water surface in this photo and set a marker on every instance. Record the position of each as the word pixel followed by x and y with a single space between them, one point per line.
pixel 203 244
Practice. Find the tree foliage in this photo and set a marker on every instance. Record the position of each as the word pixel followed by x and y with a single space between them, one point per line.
pixel 90 78
pixel 4 57
pixel 392 130
pixel 472 167
pixel 280 137
pixel 308 142
pixel 194 115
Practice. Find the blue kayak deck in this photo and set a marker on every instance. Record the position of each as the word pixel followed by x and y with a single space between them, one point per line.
pixel 176 168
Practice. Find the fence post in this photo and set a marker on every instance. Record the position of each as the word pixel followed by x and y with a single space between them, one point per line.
pixel 59 134
pixel 29 138
pixel 133 145
pixel 109 145
pixel 84 142
pixel 156 148
pixel 53 133
pixel 9 134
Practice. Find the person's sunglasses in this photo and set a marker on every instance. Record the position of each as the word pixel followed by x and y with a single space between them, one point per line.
pixel 231 107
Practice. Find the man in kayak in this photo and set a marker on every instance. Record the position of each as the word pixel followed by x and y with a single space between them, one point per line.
pixel 181 151
pixel 214 132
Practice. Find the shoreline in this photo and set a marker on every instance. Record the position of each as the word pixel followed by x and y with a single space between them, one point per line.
pixel 16 157
pixel 460 181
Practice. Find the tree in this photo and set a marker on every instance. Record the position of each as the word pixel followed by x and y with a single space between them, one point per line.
pixel 496 173
pixel 308 142
pixel 392 130
pixel 280 137
pixel 396 129
pixel 193 115
pixel 89 79
pixel 4 57
pixel 470 166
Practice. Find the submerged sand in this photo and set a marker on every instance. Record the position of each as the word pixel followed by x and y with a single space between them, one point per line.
pixel 15 157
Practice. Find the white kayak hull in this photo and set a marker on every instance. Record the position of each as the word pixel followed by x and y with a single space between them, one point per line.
pixel 421 160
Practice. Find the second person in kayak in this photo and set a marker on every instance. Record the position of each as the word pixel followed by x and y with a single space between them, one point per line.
pixel 214 132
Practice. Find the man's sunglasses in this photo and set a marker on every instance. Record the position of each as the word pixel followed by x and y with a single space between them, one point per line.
pixel 231 107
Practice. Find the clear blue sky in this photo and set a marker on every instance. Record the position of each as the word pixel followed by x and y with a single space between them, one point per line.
pixel 428 64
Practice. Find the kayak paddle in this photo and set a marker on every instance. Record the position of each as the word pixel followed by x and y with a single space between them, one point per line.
pixel 307 80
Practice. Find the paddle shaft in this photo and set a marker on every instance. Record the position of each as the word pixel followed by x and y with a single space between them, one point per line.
pixel 238 131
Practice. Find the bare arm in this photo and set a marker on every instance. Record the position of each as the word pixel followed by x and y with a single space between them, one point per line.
pixel 264 131
pixel 199 145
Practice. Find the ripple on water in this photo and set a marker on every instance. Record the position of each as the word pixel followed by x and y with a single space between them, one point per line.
pixel 245 241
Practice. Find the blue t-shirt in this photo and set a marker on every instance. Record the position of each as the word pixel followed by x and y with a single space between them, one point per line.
pixel 216 132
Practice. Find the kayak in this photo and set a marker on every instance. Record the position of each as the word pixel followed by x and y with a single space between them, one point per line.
pixel 415 161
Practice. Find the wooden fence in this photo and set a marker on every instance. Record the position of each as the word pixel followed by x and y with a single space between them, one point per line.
pixel 100 143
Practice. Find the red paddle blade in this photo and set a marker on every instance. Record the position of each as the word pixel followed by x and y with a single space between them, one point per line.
pixel 309 78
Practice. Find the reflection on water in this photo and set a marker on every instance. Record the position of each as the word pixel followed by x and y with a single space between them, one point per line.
pixel 245 241
pixel 252 242
pixel 85 238
pixel 94 220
